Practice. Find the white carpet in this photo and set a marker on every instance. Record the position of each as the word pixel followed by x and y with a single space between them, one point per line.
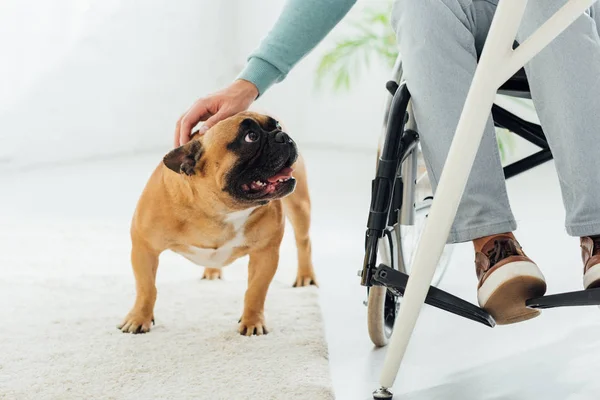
pixel 63 289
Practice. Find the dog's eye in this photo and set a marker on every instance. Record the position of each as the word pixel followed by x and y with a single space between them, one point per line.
pixel 251 137
pixel 278 126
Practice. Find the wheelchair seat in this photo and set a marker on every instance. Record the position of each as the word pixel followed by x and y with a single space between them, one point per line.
pixel 516 86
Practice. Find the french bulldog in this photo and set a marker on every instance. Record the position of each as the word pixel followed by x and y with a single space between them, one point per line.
pixel 222 196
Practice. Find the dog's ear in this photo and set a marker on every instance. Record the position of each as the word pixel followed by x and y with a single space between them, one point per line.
pixel 184 159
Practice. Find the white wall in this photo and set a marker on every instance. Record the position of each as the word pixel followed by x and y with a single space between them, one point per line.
pixel 88 78
pixel 82 78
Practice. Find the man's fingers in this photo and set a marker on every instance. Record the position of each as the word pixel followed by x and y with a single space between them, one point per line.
pixel 212 121
pixel 198 112
pixel 185 130
pixel 176 135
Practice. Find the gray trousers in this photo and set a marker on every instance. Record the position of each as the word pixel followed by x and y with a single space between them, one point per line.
pixel 439 42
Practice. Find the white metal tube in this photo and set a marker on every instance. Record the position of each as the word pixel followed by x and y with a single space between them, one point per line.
pixel 488 77
pixel 448 194
pixel 545 34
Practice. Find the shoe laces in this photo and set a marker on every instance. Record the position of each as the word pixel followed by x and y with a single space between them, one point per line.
pixel 504 248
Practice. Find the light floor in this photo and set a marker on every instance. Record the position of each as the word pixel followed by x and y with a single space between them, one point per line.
pixel 552 357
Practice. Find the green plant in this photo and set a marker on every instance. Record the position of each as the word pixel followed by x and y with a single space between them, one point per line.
pixel 372 40
pixel 506 142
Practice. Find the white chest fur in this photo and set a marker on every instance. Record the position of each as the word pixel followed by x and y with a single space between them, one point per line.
pixel 217 258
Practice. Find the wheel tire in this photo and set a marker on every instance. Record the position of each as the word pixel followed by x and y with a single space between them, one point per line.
pixel 410 237
pixel 381 304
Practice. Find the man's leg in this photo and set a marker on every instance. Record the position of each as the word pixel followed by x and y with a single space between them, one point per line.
pixel 439 41
pixel 565 87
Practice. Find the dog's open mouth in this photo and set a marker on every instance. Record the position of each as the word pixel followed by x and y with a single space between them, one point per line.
pixel 269 185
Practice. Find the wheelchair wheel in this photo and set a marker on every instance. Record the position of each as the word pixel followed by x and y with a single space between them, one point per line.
pixel 382 305
pixel 396 250
pixel 410 233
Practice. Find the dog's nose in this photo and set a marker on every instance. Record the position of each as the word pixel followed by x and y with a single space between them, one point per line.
pixel 282 137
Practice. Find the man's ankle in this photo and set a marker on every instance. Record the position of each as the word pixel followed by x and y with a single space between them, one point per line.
pixel 480 242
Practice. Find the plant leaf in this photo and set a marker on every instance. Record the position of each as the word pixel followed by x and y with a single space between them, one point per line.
pixel 373 40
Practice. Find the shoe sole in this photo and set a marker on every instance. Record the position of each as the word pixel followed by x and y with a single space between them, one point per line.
pixel 591 279
pixel 504 293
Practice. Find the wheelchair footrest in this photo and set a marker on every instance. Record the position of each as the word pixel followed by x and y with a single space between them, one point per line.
pixel 589 297
pixel 397 281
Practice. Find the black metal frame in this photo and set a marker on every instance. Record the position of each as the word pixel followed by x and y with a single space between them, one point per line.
pixel 395 148
pixel 527 130
pixel 386 190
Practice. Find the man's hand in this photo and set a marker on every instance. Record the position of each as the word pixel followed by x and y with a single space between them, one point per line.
pixel 235 98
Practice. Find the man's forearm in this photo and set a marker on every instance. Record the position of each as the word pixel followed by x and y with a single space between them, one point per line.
pixel 300 27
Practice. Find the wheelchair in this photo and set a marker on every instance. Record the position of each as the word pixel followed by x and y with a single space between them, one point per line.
pixel 400 201
pixel 396 224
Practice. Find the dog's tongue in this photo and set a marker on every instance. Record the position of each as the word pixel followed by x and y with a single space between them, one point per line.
pixel 284 173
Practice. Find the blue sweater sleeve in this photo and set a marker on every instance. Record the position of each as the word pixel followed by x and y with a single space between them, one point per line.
pixel 300 27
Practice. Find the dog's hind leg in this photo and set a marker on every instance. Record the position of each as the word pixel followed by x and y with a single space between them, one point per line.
pixel 212 273
pixel 144 261
pixel 297 209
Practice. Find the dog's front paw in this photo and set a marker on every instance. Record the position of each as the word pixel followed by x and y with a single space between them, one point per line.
pixel 252 325
pixel 212 274
pixel 305 279
pixel 135 323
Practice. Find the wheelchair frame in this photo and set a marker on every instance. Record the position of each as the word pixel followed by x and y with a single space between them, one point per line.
pixel 498 62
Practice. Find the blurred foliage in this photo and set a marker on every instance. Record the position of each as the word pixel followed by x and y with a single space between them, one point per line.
pixel 372 40
pixel 506 142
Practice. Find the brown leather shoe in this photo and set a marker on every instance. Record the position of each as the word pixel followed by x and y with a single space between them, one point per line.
pixel 590 253
pixel 507 279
